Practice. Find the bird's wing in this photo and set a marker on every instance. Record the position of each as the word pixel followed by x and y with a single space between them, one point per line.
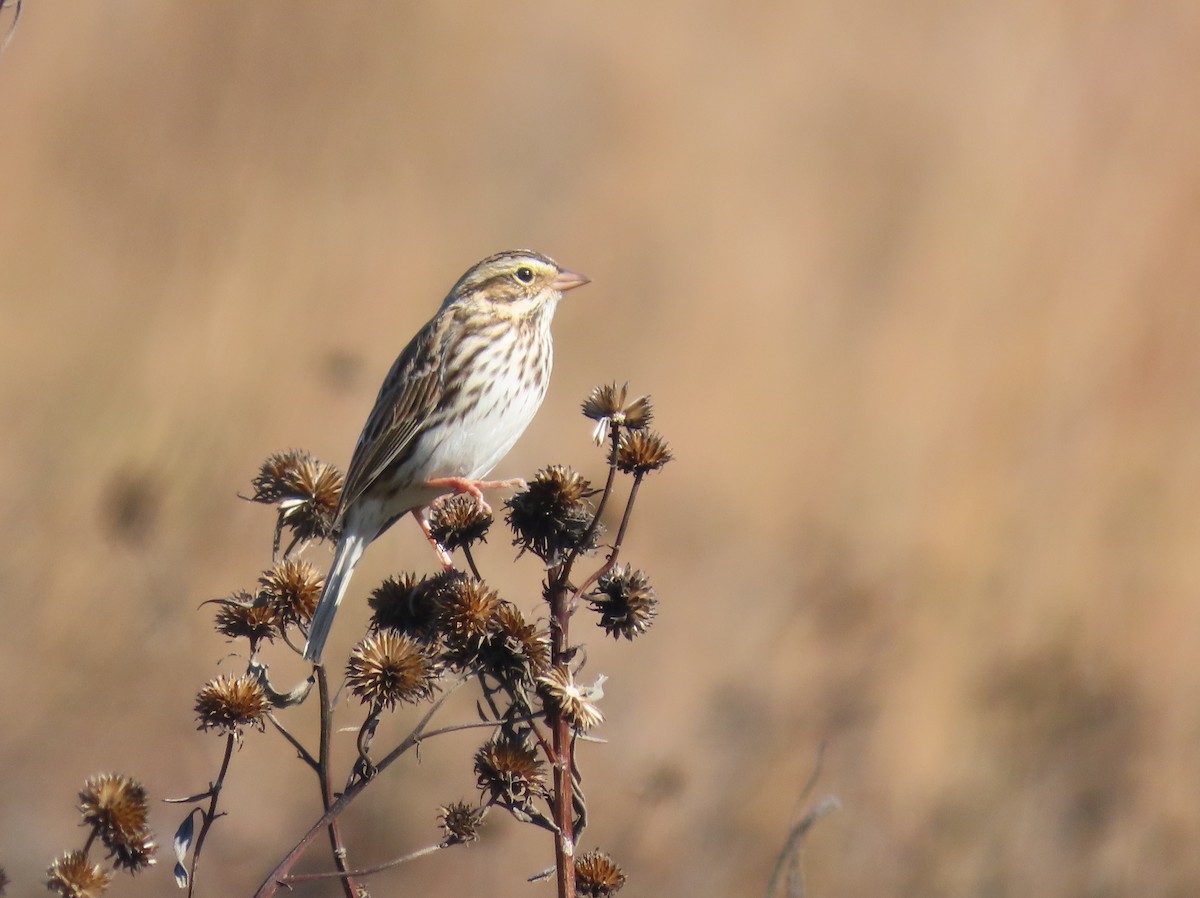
pixel 408 396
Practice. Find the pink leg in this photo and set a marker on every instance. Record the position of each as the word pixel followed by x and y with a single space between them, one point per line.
pixel 442 554
pixel 474 487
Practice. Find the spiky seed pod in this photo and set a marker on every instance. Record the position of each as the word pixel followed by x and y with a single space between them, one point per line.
pixel 516 649
pixel 510 772
pixel 597 875
pixel 642 451
pixel 551 516
pixel 73 876
pixel 610 407
pixel 231 703
pixel 389 668
pixel 242 616
pixel 292 588
pixel 406 605
pixel 459 521
pixel 467 617
pixel 306 490
pixel 561 693
pixel 114 806
pixel 460 823
pixel 136 854
pixel 625 601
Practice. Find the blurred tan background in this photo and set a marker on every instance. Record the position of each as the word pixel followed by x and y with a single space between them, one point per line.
pixel 914 287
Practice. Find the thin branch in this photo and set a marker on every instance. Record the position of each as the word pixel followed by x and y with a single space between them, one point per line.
pixel 210 815
pixel 277 877
pixel 367 871
pixel 304 754
pixel 335 832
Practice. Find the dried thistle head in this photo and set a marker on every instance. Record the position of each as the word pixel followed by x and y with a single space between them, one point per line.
pixel 460 822
pixel 389 668
pixel 576 703
pixel 467 616
pixel 292 589
pixel 642 451
pixel 551 516
pixel 516 649
pixel 231 703
pixel 510 772
pixel 306 490
pixel 610 407
pixel 73 876
pixel 460 521
pixel 406 605
pixel 625 601
pixel 242 616
pixel 114 806
pixel 597 875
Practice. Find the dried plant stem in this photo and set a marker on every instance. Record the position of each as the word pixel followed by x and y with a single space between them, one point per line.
pixel 335 832
pixel 279 876
pixel 367 871
pixel 209 815
pixel 563 744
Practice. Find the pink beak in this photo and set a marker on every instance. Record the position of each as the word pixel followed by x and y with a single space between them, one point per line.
pixel 569 280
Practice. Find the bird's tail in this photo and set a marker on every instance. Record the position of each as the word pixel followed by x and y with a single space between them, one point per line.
pixel 349 549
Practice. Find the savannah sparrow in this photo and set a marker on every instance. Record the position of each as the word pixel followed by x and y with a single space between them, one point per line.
pixel 456 400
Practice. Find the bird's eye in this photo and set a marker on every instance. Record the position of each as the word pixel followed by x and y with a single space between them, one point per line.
pixel 525 275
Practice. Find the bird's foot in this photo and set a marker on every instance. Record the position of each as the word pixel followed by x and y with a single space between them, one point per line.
pixel 475 488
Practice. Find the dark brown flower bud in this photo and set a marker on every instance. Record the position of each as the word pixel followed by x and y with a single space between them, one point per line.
pixel 510 772
pixel 114 806
pixel 551 516
pixel 459 521
pixel 625 601
pixel 306 490
pixel 610 407
pixel 230 703
pixel 292 589
pixel 460 822
pixel 242 616
pixel 388 668
pixel 642 451
pixel 73 876
pixel 597 875
pixel 576 703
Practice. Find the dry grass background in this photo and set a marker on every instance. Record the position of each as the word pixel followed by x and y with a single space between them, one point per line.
pixel 913 285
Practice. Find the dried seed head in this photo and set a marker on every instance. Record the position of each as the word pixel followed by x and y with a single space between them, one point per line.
pixel 597 875
pixel 642 451
pixel 73 876
pixel 306 490
pixel 136 854
pixel 459 521
pixel 467 615
pixel 114 806
pixel 230 703
pixel 4 880
pixel 516 650
pixel 292 589
pixel 576 703
pixel 460 822
pixel 242 616
pixel 610 407
pixel 406 605
pixel 510 772
pixel 625 602
pixel 551 516
pixel 387 668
